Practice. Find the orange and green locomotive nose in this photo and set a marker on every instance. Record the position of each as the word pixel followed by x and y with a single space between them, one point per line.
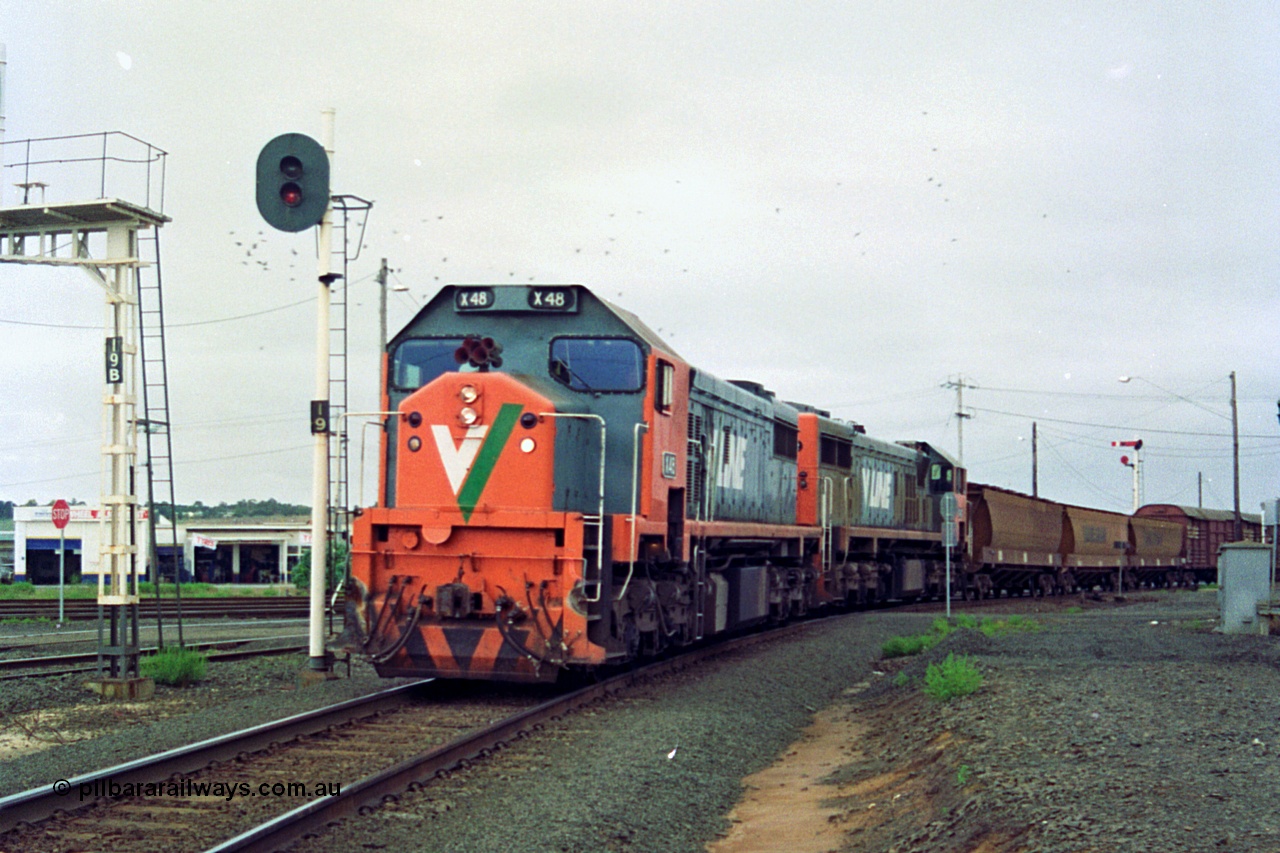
pixel 472 441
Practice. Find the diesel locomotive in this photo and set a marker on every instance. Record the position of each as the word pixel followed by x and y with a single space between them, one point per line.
pixel 560 490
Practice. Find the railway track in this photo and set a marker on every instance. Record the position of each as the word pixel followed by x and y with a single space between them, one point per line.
pixel 215 650
pixel 241 607
pixel 347 757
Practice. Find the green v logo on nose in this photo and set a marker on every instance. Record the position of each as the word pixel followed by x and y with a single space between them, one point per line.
pixel 469 465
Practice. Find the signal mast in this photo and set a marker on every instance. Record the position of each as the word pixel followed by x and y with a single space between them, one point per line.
pixel 1136 465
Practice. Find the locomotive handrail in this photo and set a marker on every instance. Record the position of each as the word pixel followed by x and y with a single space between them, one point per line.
pixel 635 476
pixel 600 510
pixel 825 488
pixel 380 423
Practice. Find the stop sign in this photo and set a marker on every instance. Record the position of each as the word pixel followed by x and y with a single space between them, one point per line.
pixel 61 514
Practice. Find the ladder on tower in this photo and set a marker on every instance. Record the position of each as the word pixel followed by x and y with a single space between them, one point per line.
pixel 154 423
pixel 349 238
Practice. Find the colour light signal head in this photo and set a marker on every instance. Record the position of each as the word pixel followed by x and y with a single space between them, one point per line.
pixel 293 182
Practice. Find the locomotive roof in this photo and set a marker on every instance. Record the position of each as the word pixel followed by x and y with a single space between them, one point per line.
pixel 630 320
pixel 637 325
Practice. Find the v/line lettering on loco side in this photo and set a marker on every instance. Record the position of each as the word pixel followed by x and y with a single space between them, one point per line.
pixel 877 488
pixel 731 450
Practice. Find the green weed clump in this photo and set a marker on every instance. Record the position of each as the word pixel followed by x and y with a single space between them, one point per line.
pixel 897 647
pixel 175 666
pixel 1013 625
pixel 955 676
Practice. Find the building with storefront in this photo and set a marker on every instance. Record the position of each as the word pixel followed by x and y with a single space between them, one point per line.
pixel 224 551
pixel 243 550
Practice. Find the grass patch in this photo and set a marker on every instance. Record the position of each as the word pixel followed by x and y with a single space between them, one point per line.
pixel 175 666
pixel 914 644
pixel 1075 609
pixel 954 677
pixel 74 589
pixel 905 646
pixel 1013 625
pixel 26 591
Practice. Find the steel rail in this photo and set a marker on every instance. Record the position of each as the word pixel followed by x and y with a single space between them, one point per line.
pixel 41 803
pixel 369 792
pixel 79 608
pixel 73 662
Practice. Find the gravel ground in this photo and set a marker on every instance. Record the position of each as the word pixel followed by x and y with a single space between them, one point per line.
pixel 1130 729
pixel 606 779
pixel 1101 732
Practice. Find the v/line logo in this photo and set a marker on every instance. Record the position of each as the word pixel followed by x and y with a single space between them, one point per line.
pixel 469 464
pixel 877 488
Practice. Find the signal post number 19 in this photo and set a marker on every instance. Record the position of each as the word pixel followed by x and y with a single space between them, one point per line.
pixel 115 360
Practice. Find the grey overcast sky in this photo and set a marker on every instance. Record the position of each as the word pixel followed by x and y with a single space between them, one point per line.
pixel 851 202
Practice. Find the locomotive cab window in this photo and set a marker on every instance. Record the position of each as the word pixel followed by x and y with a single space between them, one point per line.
pixel 597 364
pixel 665 394
pixel 832 451
pixel 786 440
pixel 419 360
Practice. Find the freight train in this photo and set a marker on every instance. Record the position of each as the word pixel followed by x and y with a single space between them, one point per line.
pixel 1019 543
pixel 559 490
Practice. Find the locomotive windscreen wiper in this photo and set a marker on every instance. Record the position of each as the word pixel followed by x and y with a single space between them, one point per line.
pixel 563 373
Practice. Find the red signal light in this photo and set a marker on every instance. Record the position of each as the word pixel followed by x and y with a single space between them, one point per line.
pixel 291 194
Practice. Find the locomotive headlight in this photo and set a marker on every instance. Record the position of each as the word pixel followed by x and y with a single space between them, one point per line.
pixel 468 415
pixel 415 443
pixel 469 394
pixel 527 445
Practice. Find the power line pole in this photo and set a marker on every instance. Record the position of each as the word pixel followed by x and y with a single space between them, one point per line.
pixel 959 384
pixel 382 307
pixel 1035 468
pixel 1235 457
